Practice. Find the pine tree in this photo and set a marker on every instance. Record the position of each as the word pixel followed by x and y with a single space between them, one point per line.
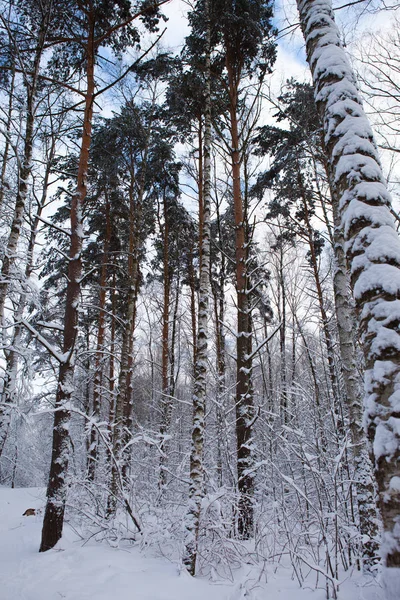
pixel 95 24
pixel 245 34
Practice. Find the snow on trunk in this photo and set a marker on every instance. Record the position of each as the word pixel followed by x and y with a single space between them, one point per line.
pixel 347 331
pixel 196 489
pixel 245 413
pixel 57 485
pixel 7 136
pixel 123 403
pixel 9 392
pixel 166 401
pixel 9 395
pixel 10 254
pixel 373 253
pixel 99 360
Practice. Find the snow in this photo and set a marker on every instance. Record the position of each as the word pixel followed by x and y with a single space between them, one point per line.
pixel 79 570
pixel 381 245
pixel 392 577
pixel 355 165
pixel 385 443
pixel 356 210
pixel 378 277
pixel 395 484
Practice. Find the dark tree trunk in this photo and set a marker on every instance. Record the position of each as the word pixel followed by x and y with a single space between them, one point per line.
pixel 244 385
pixel 166 404
pixel 124 399
pixel 99 360
pixel 57 486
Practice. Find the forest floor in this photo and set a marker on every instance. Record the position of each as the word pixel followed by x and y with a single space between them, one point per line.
pixel 75 570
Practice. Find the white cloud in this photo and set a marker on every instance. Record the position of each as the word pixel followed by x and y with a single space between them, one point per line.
pixel 177 25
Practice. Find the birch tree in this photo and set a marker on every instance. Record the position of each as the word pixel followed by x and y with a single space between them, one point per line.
pixel 40 23
pixel 373 254
pixel 9 396
pixel 196 488
pixel 299 171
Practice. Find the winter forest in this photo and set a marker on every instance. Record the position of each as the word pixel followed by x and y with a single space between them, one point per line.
pixel 199 299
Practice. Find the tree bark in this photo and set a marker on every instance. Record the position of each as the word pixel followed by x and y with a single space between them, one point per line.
pixel 373 254
pixel 219 313
pixel 99 359
pixel 244 386
pixel 57 486
pixel 363 474
pixel 111 371
pixel 166 403
pixel 284 408
pixel 192 285
pixel 329 342
pixel 8 394
pixel 124 400
pixel 123 413
pixel 196 488
pixel 25 170
pixel 3 183
pixel 219 308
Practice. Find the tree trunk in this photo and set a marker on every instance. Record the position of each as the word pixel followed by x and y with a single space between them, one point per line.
pixel 244 386
pixel 329 342
pixel 111 372
pixel 192 285
pixel 284 409
pixel 25 170
pixel 200 185
pixel 123 413
pixel 57 486
pixel 364 483
pixel 196 488
pixel 347 332
pixel 128 403
pixel 3 183
pixel 219 311
pixel 8 395
pixel 99 360
pixel 373 253
pixel 166 404
pixel 123 402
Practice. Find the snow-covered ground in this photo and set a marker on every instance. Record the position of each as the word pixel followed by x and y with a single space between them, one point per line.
pixel 93 571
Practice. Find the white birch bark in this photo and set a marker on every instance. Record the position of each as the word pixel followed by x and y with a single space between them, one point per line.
pixel 196 489
pixel 7 135
pixel 25 170
pixel 8 396
pixel 363 474
pixel 372 249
